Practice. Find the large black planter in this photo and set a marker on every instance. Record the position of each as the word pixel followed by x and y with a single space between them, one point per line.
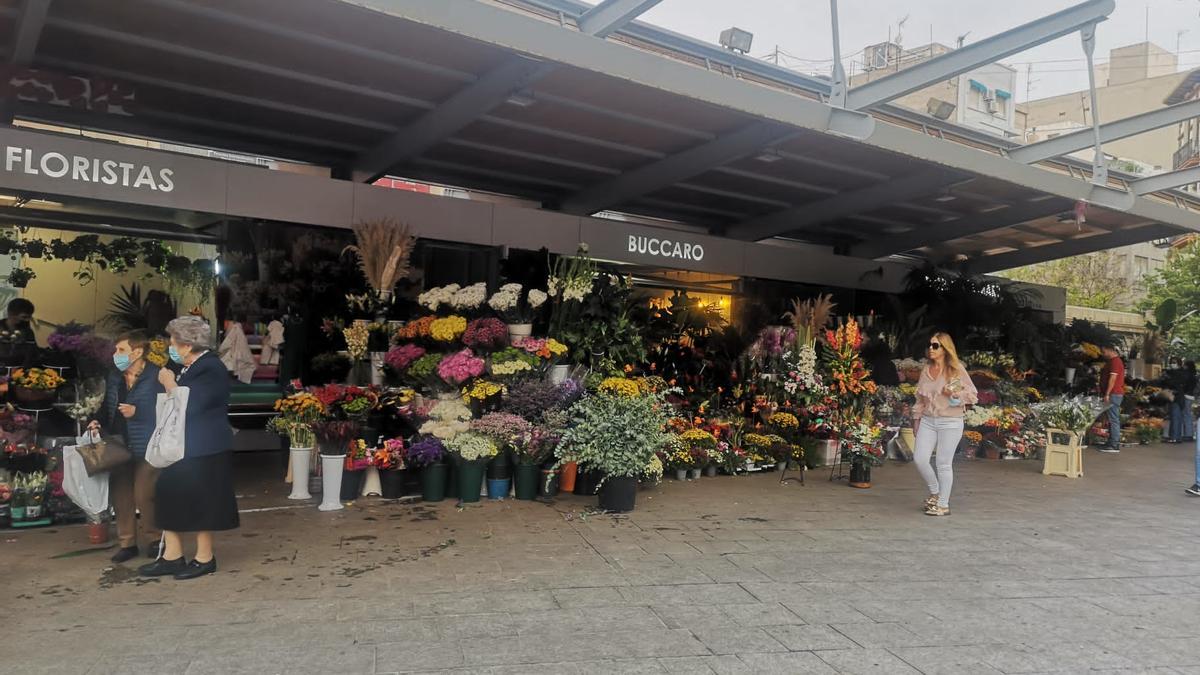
pixel 860 474
pixel 618 494
pixel 351 484
pixel 586 482
pixel 433 482
pixel 527 480
pixel 391 484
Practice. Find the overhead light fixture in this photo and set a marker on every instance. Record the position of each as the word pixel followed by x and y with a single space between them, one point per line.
pixel 737 40
pixel 945 198
pixel 521 99
pixel 769 155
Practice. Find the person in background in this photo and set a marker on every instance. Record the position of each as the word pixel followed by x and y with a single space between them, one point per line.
pixel 943 394
pixel 1112 390
pixel 1195 489
pixel 196 493
pixel 129 412
pixel 1183 389
pixel 17 334
pixel 878 357
pixel 236 354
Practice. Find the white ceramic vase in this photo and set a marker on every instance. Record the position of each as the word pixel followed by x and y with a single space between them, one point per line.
pixel 519 331
pixel 377 368
pixel 559 374
pixel 371 486
pixel 331 482
pixel 300 459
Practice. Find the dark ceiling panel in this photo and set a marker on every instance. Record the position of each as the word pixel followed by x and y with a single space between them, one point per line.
pixel 494 134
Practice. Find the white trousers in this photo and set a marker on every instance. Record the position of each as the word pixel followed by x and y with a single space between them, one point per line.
pixel 941 434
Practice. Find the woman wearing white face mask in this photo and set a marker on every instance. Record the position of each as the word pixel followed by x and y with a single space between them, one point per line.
pixel 128 412
pixel 196 493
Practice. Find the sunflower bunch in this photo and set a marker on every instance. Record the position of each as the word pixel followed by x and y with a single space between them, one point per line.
pixel 41 379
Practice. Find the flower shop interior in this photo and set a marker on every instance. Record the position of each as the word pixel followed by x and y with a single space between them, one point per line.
pixel 627 268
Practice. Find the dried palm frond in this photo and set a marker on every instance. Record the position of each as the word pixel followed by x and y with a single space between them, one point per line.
pixel 383 250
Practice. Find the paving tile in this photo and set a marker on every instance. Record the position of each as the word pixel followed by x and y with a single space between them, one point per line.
pixel 866 661
pixel 810 638
pixel 136 665
pixel 793 663
pixel 688 594
pixel 946 660
pixel 349 660
pixel 737 640
pixel 409 657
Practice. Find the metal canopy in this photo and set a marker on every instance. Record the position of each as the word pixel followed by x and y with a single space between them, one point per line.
pixel 1091 244
pixel 643 121
pixel 1166 181
pixel 980 53
pixel 1109 131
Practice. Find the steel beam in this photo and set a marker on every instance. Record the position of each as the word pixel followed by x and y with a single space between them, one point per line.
pixel 28 31
pixel 1166 181
pixel 1112 131
pixel 844 205
pixel 966 227
pixel 980 53
pixel 675 168
pixel 609 16
pixel 478 98
pixel 460 110
pixel 1066 249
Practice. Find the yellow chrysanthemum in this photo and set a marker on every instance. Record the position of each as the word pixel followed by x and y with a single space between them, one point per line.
pixel 620 386
pixel 448 329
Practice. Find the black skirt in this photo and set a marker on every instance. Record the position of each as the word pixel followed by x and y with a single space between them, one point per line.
pixel 196 494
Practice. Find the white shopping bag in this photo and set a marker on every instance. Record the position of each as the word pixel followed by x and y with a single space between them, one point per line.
pixel 166 443
pixel 90 493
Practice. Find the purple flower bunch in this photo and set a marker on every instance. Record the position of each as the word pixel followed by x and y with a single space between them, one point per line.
pixel 570 391
pixel 460 367
pixel 425 452
pixel 486 335
pixel 531 398
pixel 79 339
pixel 402 356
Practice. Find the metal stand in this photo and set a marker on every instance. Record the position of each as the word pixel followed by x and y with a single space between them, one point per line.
pixel 783 474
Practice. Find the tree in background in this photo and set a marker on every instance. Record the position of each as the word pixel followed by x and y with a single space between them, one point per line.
pixel 1095 280
pixel 1179 280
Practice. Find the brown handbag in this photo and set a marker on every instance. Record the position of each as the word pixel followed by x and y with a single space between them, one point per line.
pixel 103 455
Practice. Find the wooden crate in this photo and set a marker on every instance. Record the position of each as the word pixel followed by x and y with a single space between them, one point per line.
pixel 1064 455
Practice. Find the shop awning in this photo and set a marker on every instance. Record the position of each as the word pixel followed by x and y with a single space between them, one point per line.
pixel 642 121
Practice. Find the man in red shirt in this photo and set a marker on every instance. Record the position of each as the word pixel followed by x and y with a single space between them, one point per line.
pixel 1112 389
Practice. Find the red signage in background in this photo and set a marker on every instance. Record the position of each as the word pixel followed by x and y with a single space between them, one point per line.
pixel 70 91
pixel 397 184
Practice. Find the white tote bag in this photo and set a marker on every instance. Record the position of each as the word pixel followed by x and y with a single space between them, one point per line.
pixel 90 493
pixel 166 443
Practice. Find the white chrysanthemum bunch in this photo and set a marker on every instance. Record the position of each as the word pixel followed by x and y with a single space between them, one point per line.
pixel 506 299
pixel 434 298
pixel 469 298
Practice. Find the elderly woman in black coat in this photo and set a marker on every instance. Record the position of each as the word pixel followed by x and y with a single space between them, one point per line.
pixel 196 493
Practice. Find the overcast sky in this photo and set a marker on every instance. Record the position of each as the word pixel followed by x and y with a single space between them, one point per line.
pixel 801 28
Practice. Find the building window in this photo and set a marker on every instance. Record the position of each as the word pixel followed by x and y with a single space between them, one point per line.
pixel 1142 265
pixel 976 95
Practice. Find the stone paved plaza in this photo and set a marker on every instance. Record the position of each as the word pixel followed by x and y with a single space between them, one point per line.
pixel 724 575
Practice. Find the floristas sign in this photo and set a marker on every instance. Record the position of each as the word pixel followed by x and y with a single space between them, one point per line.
pixel 87 169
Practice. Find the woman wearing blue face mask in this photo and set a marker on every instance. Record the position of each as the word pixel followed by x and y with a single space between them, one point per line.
pixel 129 412
pixel 195 494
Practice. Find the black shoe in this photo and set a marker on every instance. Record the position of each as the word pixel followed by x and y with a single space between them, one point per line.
pixel 123 554
pixel 163 567
pixel 1194 490
pixel 197 569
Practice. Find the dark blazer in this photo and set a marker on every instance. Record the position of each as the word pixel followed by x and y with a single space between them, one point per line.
pixel 207 430
pixel 144 397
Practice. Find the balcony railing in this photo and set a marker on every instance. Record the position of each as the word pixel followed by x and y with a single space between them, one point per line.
pixel 1187 156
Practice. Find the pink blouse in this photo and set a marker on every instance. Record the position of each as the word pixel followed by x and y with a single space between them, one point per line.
pixel 932 401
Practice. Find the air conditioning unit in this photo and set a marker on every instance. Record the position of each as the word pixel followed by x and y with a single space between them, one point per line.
pixel 881 56
pixel 989 102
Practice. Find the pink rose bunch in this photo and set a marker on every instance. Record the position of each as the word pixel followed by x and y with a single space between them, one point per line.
pixel 460 367
pixel 487 335
pixel 402 356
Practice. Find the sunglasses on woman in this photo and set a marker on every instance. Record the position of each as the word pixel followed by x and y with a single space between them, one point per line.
pixel 934 346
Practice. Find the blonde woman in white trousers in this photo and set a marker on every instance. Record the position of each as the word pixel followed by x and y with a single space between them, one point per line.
pixel 943 394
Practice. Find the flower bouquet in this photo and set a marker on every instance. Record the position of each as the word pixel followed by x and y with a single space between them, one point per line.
pixel 515 307
pixel 425 452
pixel 469 299
pixel 419 330
pixel 422 373
pixel 446 419
pixel 439 298
pixel 447 329
pixel 358 337
pixel 483 396
pixel 358 455
pixel 506 429
pixel 511 362
pixel 702 445
pixel 36 387
pixel 485 335
pixel 29 491
pixel 399 358
pixel 459 367
pixel 297 413
pixel 390 455
pixel 1148 430
pixel 333 436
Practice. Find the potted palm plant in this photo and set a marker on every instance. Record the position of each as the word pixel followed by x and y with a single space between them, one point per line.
pixel 616 432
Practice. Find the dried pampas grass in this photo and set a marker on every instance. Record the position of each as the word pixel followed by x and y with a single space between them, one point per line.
pixel 809 317
pixel 383 249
